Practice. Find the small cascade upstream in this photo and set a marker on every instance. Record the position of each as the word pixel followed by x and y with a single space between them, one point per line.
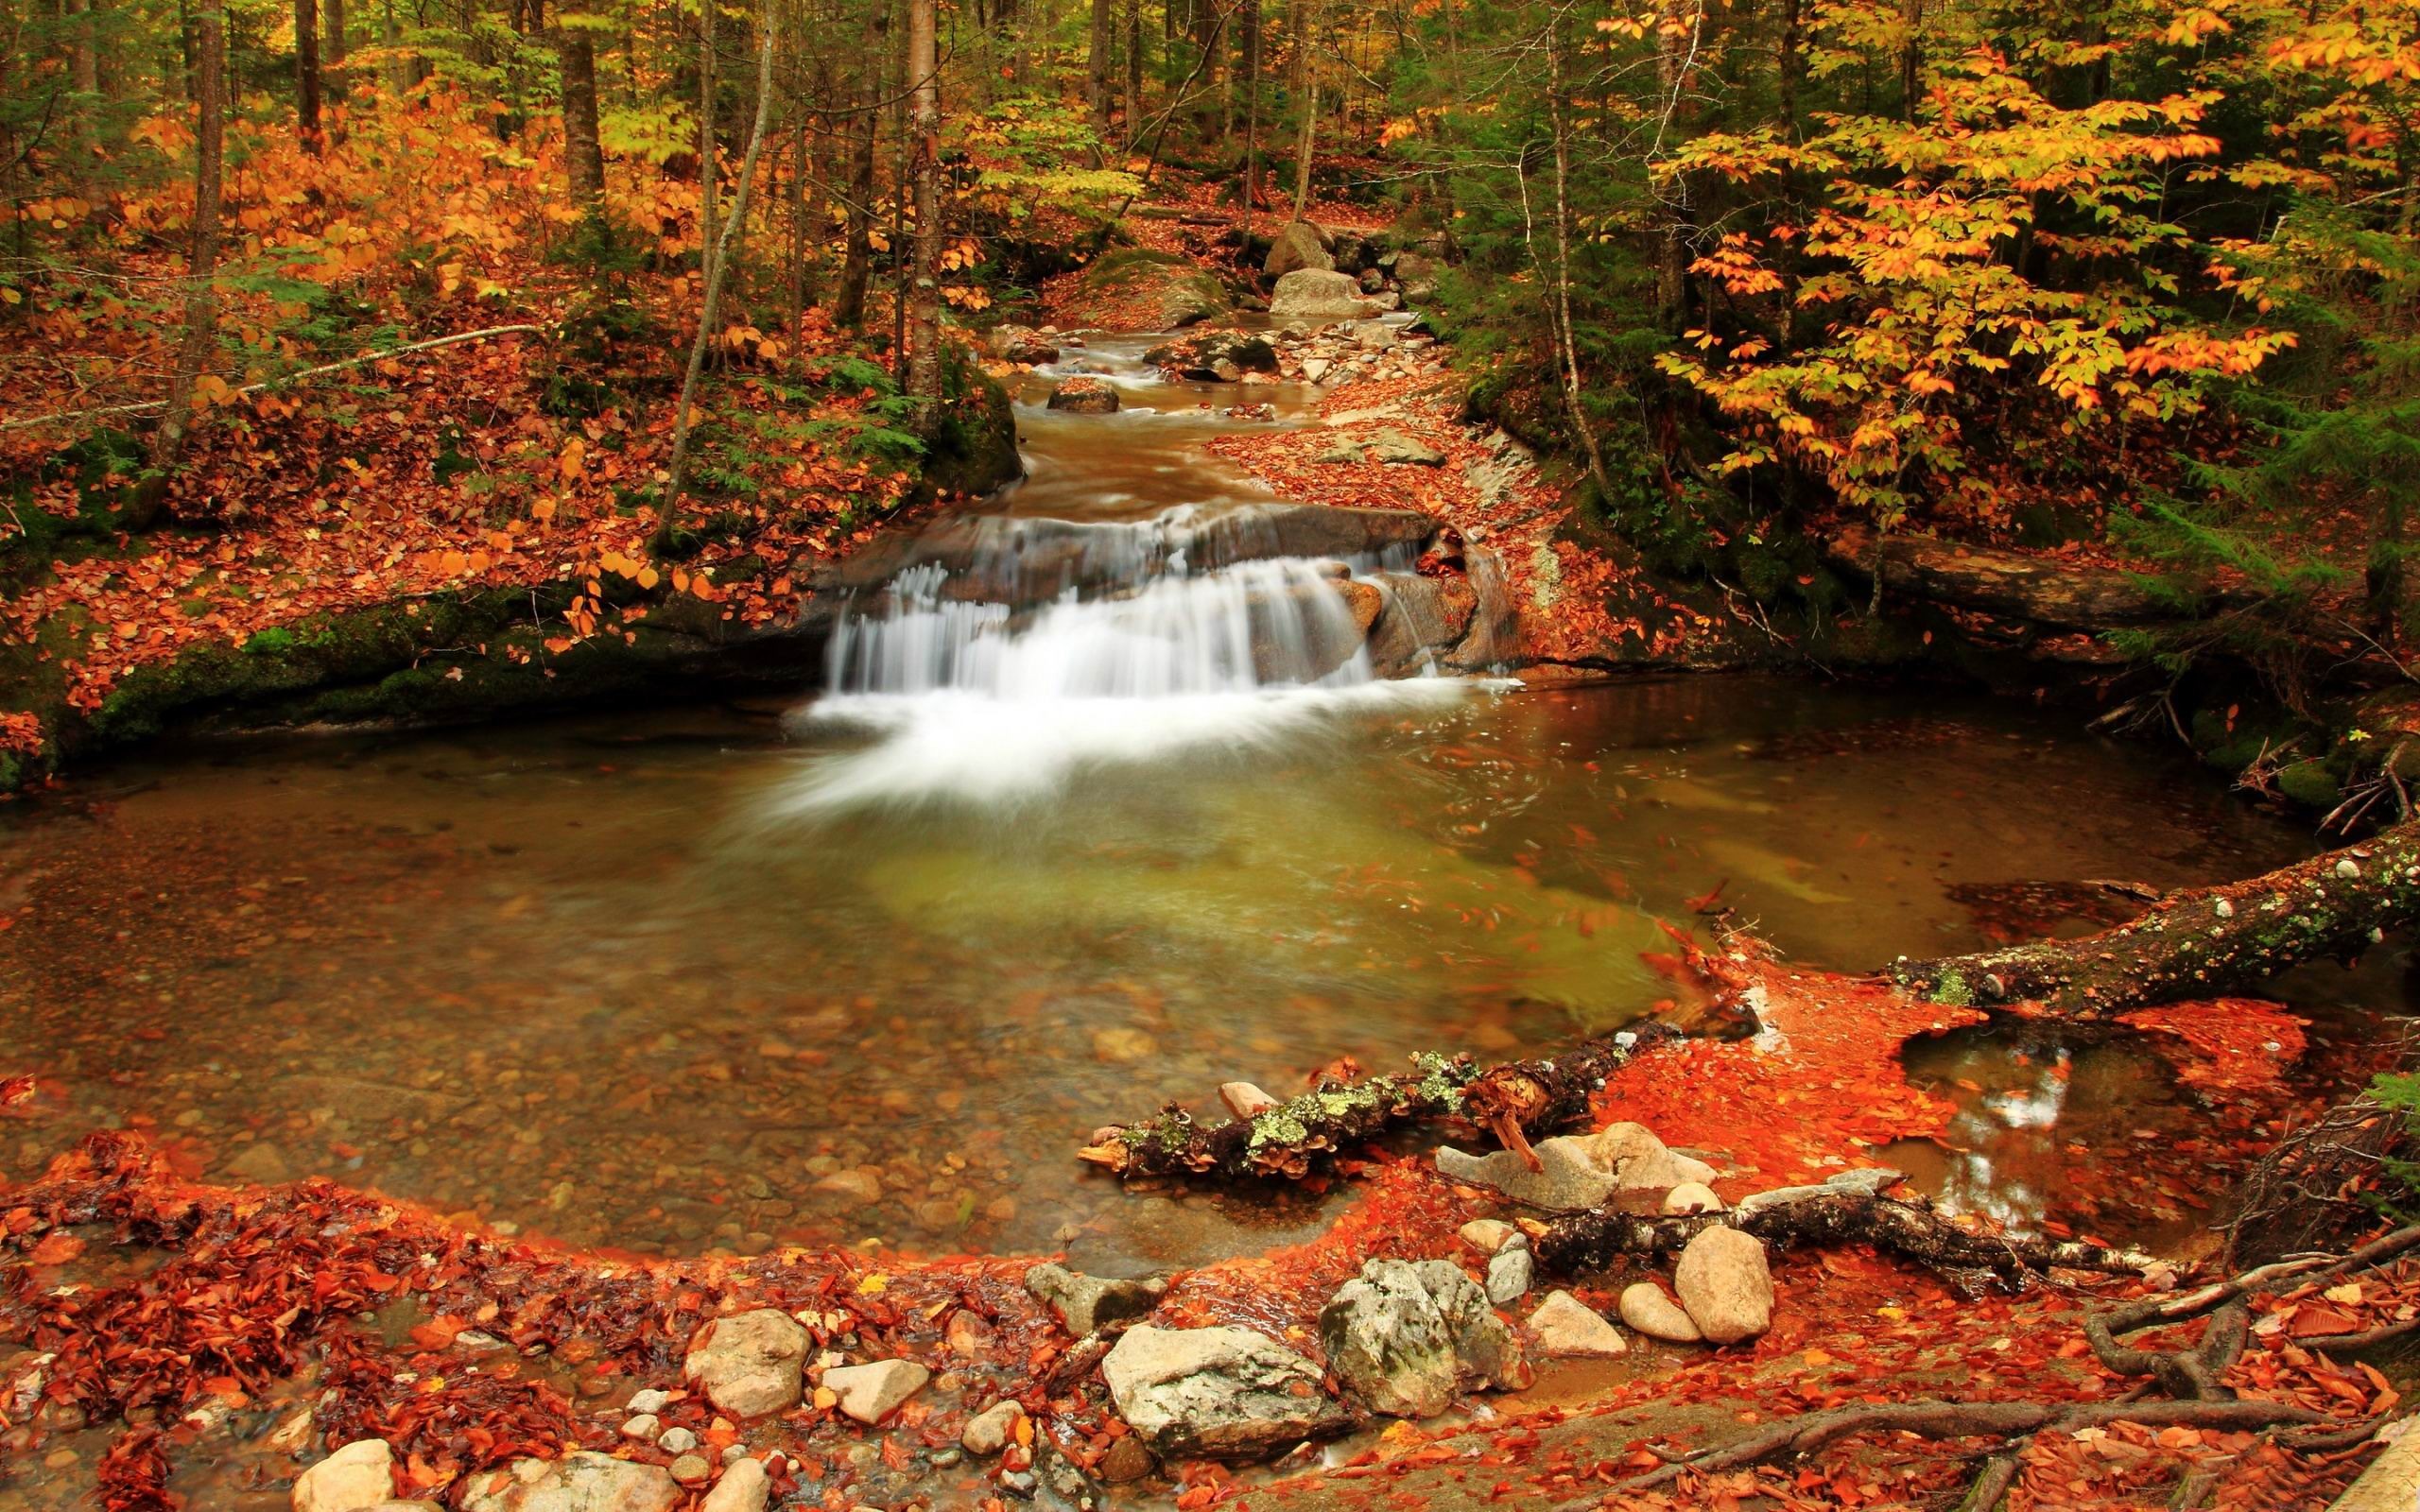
pixel 1006 653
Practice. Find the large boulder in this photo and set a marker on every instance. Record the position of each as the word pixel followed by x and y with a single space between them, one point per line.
pixel 1310 295
pixel 1021 343
pixel 1223 1392
pixel 358 1476
pixel 1299 246
pixel 1215 356
pixel 1726 1285
pixel 1408 1338
pixel 1084 396
pixel 579 1482
pixel 749 1364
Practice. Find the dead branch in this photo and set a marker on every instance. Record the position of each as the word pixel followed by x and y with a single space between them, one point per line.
pixel 1849 1212
pixel 1288 1140
pixel 2199 943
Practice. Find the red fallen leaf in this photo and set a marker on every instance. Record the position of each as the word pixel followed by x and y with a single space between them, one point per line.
pixel 57 1249
pixel 2311 1320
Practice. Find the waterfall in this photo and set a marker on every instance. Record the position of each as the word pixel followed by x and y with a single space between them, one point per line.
pixel 1002 656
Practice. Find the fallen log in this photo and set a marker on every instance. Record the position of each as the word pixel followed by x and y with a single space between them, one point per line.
pixel 1289 1140
pixel 2201 942
pixel 2024 585
pixel 1853 1208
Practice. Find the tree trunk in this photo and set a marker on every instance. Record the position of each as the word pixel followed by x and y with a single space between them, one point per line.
pixel 1559 110
pixel 1249 68
pixel 1133 70
pixel 1097 64
pixel 1790 67
pixel 1310 93
pixel 2203 942
pixel 306 72
pixel 717 271
pixel 924 130
pixel 583 154
pixel 88 67
pixel 706 26
pixel 335 43
pixel 201 267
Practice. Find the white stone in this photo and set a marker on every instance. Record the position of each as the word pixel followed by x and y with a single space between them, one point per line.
pixel 644 1428
pixel 870 1393
pixel 1488 1235
pixel 1726 1285
pixel 648 1400
pixel 1692 1197
pixel 1568 1328
pixel 1223 1391
pixel 750 1363
pixel 744 1487
pixel 356 1477
pixel 988 1431
pixel 581 1482
pixel 1646 1308
pixel 676 1441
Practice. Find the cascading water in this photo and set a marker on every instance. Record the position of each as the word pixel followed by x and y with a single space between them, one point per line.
pixel 1037 648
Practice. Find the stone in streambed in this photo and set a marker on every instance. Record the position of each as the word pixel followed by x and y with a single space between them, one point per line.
pixel 744 1487
pixel 579 1482
pixel 1726 1285
pixel 1568 1180
pixel 1568 1328
pixel 1125 1460
pixel 1508 1275
pixel 358 1476
pixel 1023 344
pixel 1646 1308
pixel 1314 295
pixel 988 1431
pixel 1640 1163
pixel 1299 246
pixel 750 1363
pixel 1223 1392
pixel 1487 1236
pixel 870 1393
pixel 1083 1304
pixel 1691 1196
pixel 1398 449
pixel 1242 1098
pixel 1409 1337
pixel 1084 396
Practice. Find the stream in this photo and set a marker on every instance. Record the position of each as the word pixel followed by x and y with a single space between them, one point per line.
pixel 869 968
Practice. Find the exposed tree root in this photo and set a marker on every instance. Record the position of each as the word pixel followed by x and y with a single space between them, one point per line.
pixel 2201 942
pixel 1288 1140
pixel 1911 1228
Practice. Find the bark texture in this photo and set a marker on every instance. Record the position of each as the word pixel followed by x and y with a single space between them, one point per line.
pixel 2017 585
pixel 2201 942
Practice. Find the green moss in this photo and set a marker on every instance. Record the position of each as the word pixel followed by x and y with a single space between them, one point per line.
pixel 1951 991
pixel 2310 783
pixel 275 640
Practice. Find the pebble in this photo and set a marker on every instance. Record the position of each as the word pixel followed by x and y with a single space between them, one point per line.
pixel 1692 1197
pixel 1646 1308
pixel 988 1431
pixel 691 1470
pixel 676 1441
pixel 1488 1235
pixel 1508 1275
pixel 650 1401
pixel 644 1428
pixel 1569 1329
pixel 870 1393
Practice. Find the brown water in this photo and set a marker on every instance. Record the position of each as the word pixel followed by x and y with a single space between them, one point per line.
pixel 602 980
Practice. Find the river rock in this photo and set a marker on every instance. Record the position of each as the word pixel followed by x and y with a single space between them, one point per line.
pixel 1242 1098
pixel 750 1363
pixel 676 1441
pixel 1018 343
pixel 1640 1163
pixel 1299 246
pixel 870 1393
pixel 1487 1236
pixel 1222 357
pixel 1083 1303
pixel 1125 1460
pixel 1508 1275
pixel 1400 450
pixel 1726 1285
pixel 744 1487
pixel 579 1482
pixel 1868 1182
pixel 1646 1308
pixel 1308 294
pixel 1692 1197
pixel 988 1431
pixel 1568 1179
pixel 1569 1329
pixel 1409 1337
pixel 358 1476
pixel 1084 396
pixel 1224 1392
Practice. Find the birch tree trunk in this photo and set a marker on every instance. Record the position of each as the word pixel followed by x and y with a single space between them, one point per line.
pixel 924 130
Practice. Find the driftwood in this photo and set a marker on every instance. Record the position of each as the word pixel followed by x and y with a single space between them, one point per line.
pixel 1853 1210
pixel 2201 942
pixel 2020 585
pixel 1289 1140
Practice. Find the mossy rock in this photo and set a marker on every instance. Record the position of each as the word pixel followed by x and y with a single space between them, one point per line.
pixel 975 447
pixel 2310 784
pixel 1137 288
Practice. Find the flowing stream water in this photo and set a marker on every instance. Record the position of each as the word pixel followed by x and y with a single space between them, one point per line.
pixel 1070 834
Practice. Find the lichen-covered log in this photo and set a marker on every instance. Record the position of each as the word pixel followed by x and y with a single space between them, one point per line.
pixel 2201 942
pixel 1290 1139
pixel 1851 1209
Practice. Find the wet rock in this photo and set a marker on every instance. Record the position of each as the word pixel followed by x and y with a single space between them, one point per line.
pixel 1083 1304
pixel 750 1364
pixel 1018 343
pixel 1245 1100
pixel 1868 1182
pixel 1308 294
pixel 1568 1180
pixel 1639 1161
pixel 581 1482
pixel 1399 450
pixel 744 1487
pixel 989 1431
pixel 1726 1285
pixel 1365 603
pixel 648 1400
pixel 1508 1275
pixel 1084 396
pixel 261 1163
pixel 644 1428
pixel 1224 1392
pixel 1568 1328
pixel 1221 356
pixel 358 1476
pixel 1646 1308
pixel 1315 369
pixel 1122 1046
pixel 691 1470
pixel 870 1393
pixel 1374 336
pixel 1373 281
pixel 969 1335
pixel 860 1187
pixel 1408 1338
pixel 1127 1460
pixel 1299 246
pixel 1487 1236
pixel 676 1441
pixel 1692 1197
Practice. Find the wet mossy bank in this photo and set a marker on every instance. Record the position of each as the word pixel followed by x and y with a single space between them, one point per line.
pixel 463 656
